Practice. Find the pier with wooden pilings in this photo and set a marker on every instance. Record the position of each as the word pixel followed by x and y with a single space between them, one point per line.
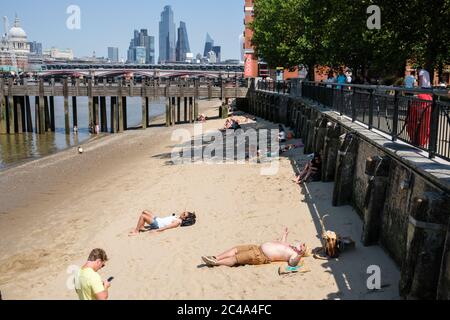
pixel 181 96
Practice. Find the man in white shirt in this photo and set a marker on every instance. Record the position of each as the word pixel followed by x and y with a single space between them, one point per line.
pixel 424 78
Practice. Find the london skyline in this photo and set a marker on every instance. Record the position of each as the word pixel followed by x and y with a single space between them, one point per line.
pixel 113 27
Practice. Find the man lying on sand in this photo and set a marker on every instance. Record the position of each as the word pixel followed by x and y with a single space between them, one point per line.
pixel 276 251
pixel 185 219
pixel 312 170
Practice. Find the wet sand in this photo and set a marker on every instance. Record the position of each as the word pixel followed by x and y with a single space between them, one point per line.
pixel 54 210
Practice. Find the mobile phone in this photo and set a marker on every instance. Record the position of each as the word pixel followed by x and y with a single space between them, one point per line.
pixel 110 279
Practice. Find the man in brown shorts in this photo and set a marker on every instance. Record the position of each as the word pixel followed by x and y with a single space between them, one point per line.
pixel 275 251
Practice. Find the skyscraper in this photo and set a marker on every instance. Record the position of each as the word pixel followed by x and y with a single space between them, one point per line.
pixel 36 48
pixel 183 47
pixel 167 36
pixel 142 48
pixel 209 44
pixel 217 50
pixel 113 54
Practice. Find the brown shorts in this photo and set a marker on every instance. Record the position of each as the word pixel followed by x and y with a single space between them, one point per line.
pixel 251 255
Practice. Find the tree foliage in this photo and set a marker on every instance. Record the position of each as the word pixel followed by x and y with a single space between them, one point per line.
pixel 334 33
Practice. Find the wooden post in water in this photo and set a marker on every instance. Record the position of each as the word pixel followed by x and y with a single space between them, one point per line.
pixel 41 127
pixel 113 114
pixel 103 116
pixel 186 118
pixel 74 112
pixel 66 106
pixel 36 114
pixel 178 109
pixel 124 113
pixel 196 113
pixel 95 114
pixel 168 113
pixel 52 114
pixel 29 120
pixel 144 107
pixel 20 115
pixel 47 115
pixel 3 127
pixel 191 110
pixel 120 98
pixel 11 113
pixel 91 106
pixel 173 111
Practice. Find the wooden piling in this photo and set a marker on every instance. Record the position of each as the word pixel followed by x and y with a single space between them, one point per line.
pixel 91 106
pixel 377 171
pixel 186 116
pixel 196 110
pixel 29 119
pixel 11 113
pixel 120 119
pixel 95 112
pixel 66 106
pixel 103 115
pixel 427 231
pixel 52 114
pixel 173 111
pixel 48 127
pixel 3 113
pixel 41 107
pixel 179 110
pixel 191 110
pixel 144 112
pixel 20 115
pixel 125 115
pixel 74 112
pixel 168 111
pixel 345 169
pixel 113 113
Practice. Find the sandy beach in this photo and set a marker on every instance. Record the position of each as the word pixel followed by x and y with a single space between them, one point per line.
pixel 55 210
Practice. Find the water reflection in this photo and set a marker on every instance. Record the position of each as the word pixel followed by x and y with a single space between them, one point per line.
pixel 18 148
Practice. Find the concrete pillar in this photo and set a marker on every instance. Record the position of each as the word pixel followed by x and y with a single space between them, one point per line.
pixel 377 171
pixel 345 170
pixel 427 233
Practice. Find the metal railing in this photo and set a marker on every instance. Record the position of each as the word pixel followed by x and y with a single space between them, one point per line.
pixel 419 117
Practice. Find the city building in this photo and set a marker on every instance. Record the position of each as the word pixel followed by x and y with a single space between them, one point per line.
pixel 14 47
pixel 241 45
pixel 167 36
pixel 182 48
pixel 211 56
pixel 209 44
pixel 59 54
pixel 36 48
pixel 217 50
pixel 136 54
pixel 113 54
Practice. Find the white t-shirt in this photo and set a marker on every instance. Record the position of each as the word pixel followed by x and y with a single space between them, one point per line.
pixel 424 79
pixel 164 222
pixel 282 135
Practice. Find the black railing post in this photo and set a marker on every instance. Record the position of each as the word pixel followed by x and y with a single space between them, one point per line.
pixel 395 120
pixel 341 111
pixel 353 104
pixel 434 128
pixel 371 103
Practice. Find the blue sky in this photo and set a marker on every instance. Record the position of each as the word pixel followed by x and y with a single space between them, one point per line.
pixel 111 23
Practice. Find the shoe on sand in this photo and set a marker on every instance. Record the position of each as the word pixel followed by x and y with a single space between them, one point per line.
pixel 210 261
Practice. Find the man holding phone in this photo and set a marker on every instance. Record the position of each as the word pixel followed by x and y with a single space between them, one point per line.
pixel 88 283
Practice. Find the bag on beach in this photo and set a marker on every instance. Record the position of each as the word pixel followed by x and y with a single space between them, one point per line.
pixel 332 244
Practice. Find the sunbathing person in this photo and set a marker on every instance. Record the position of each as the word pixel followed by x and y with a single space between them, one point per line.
pixel 154 223
pixel 312 170
pixel 276 251
pixel 232 124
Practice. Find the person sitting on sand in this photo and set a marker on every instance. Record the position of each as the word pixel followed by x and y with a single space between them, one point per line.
pixel 202 118
pixel 282 135
pixel 276 251
pixel 313 170
pixel 154 223
pixel 232 124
